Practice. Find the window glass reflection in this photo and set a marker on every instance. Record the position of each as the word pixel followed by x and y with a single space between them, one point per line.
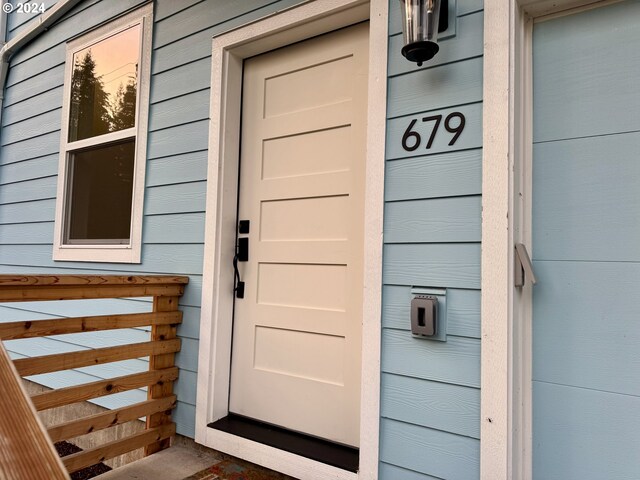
pixel 101 183
pixel 104 86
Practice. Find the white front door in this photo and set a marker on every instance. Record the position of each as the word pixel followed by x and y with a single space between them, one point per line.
pixel 296 355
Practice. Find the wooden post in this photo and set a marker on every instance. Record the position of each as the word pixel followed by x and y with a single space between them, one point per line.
pixel 158 362
pixel 27 452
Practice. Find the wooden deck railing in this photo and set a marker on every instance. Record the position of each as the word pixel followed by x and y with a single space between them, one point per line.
pixel 159 379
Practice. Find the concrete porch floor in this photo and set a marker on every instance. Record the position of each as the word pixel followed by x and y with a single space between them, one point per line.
pixel 183 463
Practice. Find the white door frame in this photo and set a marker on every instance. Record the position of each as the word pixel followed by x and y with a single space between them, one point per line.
pixel 280 29
pixel 506 425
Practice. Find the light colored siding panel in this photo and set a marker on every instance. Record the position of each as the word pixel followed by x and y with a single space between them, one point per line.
pixel 29 169
pixel 174 259
pixel 176 111
pixel 167 8
pixel 33 211
pixel 200 17
pixel 450 408
pixel 188 167
pixel 39 189
pixel 462 46
pixel 190 326
pixel 466 7
pixel 391 472
pixel 613 101
pixel 176 140
pixel 463 310
pixel 178 228
pixel 433 265
pixel 185 386
pixel 49 100
pixel 444 175
pixel 198 45
pixel 441 454
pixel 471 136
pixel 188 78
pixel 27 233
pixel 181 52
pixel 185 417
pixel 455 361
pixel 181 198
pixel 455 84
pixel 40 62
pixel 35 85
pixel 586 193
pixel 33 127
pixel 187 357
pixel 47 144
pixel 437 220
pixel 586 325
pixel 587 434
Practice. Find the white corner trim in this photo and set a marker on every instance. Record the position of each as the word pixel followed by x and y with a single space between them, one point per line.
pixel 288 26
pixel 496 257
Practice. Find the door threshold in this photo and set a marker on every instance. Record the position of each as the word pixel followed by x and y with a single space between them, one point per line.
pixel 336 455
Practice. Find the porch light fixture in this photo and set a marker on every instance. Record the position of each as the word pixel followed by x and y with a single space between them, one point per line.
pixel 422 20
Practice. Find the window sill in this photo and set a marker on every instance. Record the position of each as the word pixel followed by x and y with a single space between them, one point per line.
pixel 93 253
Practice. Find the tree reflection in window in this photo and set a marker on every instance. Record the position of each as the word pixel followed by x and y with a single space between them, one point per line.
pixel 104 86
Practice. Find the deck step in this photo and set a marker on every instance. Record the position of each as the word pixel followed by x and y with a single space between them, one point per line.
pixel 175 463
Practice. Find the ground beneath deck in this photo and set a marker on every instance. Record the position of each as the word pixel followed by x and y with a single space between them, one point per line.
pixel 183 463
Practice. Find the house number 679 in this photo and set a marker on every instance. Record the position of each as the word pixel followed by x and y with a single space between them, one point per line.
pixel 411 139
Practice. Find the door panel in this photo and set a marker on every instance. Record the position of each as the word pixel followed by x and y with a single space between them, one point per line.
pixel 297 333
pixel 586 245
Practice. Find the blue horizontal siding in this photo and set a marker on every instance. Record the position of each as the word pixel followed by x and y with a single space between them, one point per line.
pixel 430 395
pixel 588 434
pixel 41 167
pixel 433 452
pixel 433 221
pixel 434 176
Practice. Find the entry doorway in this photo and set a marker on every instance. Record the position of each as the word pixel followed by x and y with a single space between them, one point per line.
pixel 296 355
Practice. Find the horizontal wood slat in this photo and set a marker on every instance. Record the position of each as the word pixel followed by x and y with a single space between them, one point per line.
pixel 61 326
pixel 111 418
pixel 65 396
pixel 80 460
pixel 26 451
pixel 89 280
pixel 98 356
pixel 37 293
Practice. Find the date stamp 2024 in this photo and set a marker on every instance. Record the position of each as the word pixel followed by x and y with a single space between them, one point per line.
pixel 26 7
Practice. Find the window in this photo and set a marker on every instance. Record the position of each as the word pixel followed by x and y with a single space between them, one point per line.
pixel 103 142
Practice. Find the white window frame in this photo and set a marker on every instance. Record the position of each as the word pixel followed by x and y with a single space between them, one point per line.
pixel 91 252
pixel 229 49
pixel 506 403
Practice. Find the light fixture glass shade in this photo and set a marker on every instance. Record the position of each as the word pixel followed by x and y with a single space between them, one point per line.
pixel 420 29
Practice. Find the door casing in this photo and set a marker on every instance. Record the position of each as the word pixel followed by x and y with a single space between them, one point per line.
pixel 283 28
pixel 506 312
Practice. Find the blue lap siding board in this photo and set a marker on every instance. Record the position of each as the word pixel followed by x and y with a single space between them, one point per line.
pixel 430 390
